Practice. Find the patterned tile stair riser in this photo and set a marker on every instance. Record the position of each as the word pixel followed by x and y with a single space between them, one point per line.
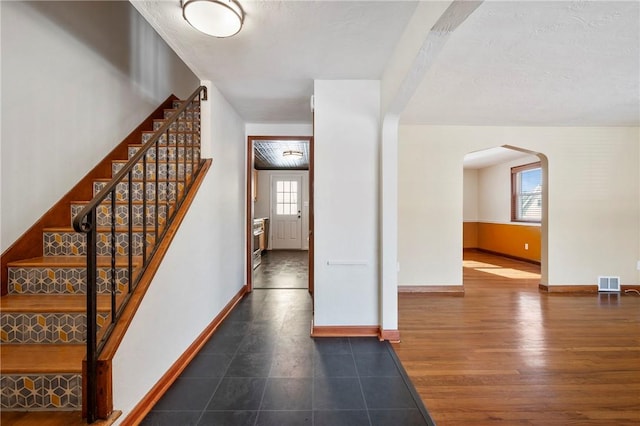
pixel 182 138
pixel 163 168
pixel 62 280
pixel 54 328
pixel 103 214
pixel 74 244
pixel 167 190
pixel 168 153
pixel 43 334
pixel 48 391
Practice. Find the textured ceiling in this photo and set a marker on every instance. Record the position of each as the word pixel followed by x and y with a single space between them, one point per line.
pixel 521 63
pixel 269 155
pixel 536 63
pixel 267 70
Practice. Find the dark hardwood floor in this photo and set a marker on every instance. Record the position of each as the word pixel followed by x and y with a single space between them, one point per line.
pixel 507 353
pixel 282 269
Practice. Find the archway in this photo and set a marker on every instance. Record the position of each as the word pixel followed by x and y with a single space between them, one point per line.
pixel 491 205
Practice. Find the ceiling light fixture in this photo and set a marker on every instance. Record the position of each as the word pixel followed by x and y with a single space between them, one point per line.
pixel 218 18
pixel 292 153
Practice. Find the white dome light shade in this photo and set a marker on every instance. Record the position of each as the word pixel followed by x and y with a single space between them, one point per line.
pixel 218 18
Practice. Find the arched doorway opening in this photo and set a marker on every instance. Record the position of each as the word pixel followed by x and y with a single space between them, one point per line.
pixel 505 211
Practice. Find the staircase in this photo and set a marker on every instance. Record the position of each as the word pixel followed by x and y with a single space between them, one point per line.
pixel 43 319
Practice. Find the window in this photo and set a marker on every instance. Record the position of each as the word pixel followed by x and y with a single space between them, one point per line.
pixel 286 197
pixel 526 193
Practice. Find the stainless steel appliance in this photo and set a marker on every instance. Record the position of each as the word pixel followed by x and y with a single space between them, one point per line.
pixel 258 234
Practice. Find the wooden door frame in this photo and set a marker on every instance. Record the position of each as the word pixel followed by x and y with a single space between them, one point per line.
pixel 249 205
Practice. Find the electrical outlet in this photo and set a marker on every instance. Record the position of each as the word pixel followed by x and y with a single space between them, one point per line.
pixel 526 246
pixel 638 266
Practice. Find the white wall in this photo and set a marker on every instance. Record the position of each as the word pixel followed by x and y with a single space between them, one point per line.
pixel 470 195
pixel 494 190
pixel 279 129
pixel 262 206
pixel 77 77
pixel 346 202
pixel 593 201
pixel 201 272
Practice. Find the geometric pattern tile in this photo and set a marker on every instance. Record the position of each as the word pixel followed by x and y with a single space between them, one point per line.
pixel 178 126
pixel 178 154
pixel 46 391
pixel 74 243
pixel 62 280
pixel 151 170
pixel 167 190
pixel 103 212
pixel 168 153
pixel 195 105
pixel 182 138
pixel 39 328
pixel 185 115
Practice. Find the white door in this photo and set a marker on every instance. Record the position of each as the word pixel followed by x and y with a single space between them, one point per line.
pixel 286 212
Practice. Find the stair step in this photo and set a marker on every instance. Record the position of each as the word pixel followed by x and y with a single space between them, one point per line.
pixel 65 275
pixel 42 359
pixel 69 261
pixel 37 303
pixel 66 242
pixel 195 105
pixel 52 319
pixel 189 114
pixel 177 126
pixel 41 376
pixel 103 212
pixel 167 189
pixel 167 153
pixel 181 138
pixel 166 170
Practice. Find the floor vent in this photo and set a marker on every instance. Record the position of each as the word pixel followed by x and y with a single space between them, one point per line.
pixel 609 284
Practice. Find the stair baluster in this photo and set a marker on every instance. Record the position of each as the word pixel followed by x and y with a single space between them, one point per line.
pixel 184 125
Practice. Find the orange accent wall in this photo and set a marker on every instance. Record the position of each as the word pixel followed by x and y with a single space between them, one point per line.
pixel 469 234
pixel 504 238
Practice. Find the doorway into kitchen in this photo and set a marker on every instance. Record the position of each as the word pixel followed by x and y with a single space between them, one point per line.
pixel 280 212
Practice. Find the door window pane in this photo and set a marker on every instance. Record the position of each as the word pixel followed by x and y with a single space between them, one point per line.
pixel 287 197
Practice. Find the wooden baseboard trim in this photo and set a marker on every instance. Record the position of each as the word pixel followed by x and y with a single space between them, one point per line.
pixel 581 288
pixel 392 336
pixel 568 288
pixel 345 331
pixel 442 290
pixel 153 396
pixel 126 317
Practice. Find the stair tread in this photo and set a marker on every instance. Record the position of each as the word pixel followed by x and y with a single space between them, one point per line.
pixel 72 261
pixel 138 203
pixel 152 161
pixel 173 131
pixel 106 180
pixel 51 303
pixel 171 145
pixel 46 358
pixel 105 229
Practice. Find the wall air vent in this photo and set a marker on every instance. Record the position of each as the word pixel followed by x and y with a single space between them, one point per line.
pixel 609 284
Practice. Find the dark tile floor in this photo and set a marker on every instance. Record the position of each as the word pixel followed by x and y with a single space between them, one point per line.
pixel 262 368
pixel 282 269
